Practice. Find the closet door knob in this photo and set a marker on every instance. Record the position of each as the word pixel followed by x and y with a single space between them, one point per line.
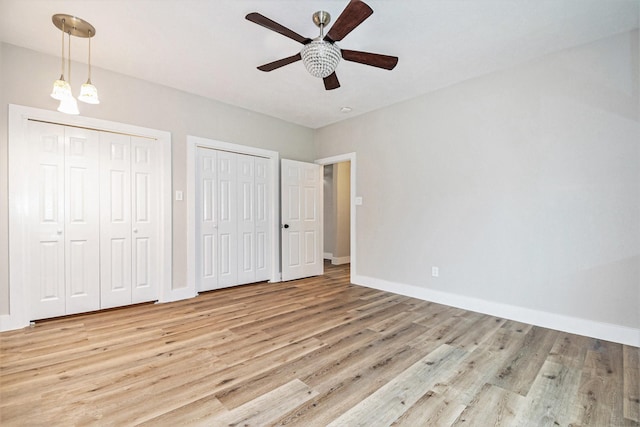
pixel 135 230
pixel 59 231
pixel 285 226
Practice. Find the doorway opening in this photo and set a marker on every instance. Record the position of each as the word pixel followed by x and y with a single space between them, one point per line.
pixel 339 210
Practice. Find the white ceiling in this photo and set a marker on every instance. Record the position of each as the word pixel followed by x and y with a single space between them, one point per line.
pixel 206 47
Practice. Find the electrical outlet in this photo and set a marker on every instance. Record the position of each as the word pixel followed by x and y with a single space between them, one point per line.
pixel 435 271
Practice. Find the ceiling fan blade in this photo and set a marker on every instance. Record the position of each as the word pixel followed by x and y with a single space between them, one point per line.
pixel 274 26
pixel 280 63
pixel 352 16
pixel 374 59
pixel 331 81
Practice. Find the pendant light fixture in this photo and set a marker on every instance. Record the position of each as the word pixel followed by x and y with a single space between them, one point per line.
pixel 77 27
pixel 61 89
pixel 68 103
pixel 88 92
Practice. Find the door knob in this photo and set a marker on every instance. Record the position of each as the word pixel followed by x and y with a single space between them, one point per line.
pixel 135 230
pixel 285 226
pixel 59 231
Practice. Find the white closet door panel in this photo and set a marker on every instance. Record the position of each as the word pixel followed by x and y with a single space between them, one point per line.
pixel 82 220
pixel 145 220
pixel 46 222
pixel 262 219
pixel 206 220
pixel 115 220
pixel 227 219
pixel 246 219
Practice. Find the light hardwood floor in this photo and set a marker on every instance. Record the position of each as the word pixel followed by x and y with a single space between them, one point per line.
pixel 318 351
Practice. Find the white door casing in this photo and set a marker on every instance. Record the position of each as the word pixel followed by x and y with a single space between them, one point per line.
pixel 267 235
pixel 301 213
pixel 232 219
pixel 70 271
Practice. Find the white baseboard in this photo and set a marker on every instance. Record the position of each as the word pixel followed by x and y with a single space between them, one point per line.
pixel 12 322
pixel 336 260
pixel 605 331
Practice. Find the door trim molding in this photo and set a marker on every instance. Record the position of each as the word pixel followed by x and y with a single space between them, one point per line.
pixel 18 315
pixel 348 157
pixel 274 162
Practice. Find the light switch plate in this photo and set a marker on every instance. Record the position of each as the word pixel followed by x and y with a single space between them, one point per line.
pixel 178 195
pixel 358 201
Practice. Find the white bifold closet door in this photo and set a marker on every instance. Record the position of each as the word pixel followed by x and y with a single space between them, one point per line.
pixel 232 219
pixel 93 220
pixel 63 275
pixel 129 220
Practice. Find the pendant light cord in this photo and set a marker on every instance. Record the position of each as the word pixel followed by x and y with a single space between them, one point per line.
pixel 69 52
pixel 62 56
pixel 89 78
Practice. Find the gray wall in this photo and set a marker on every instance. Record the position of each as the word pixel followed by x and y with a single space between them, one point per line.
pixel 522 186
pixel 26 79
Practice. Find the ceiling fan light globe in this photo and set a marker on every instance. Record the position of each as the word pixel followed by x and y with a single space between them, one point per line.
pixel 320 58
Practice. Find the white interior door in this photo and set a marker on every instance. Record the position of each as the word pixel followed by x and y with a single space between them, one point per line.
pixel 301 212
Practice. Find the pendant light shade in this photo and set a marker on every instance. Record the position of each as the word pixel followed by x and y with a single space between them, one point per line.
pixel 89 93
pixel 73 26
pixel 61 89
pixel 69 105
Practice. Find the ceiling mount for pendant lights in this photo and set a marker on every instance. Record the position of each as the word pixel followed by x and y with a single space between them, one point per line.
pixel 73 26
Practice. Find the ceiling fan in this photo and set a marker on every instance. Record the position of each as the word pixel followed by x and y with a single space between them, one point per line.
pixel 321 55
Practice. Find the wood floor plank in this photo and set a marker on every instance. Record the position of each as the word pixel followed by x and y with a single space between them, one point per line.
pixel 306 353
pixel 198 413
pixel 392 400
pixel 238 394
pixel 553 391
pixel 631 387
pixel 519 372
pixel 265 409
pixel 493 406
pixel 482 365
pixel 433 410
